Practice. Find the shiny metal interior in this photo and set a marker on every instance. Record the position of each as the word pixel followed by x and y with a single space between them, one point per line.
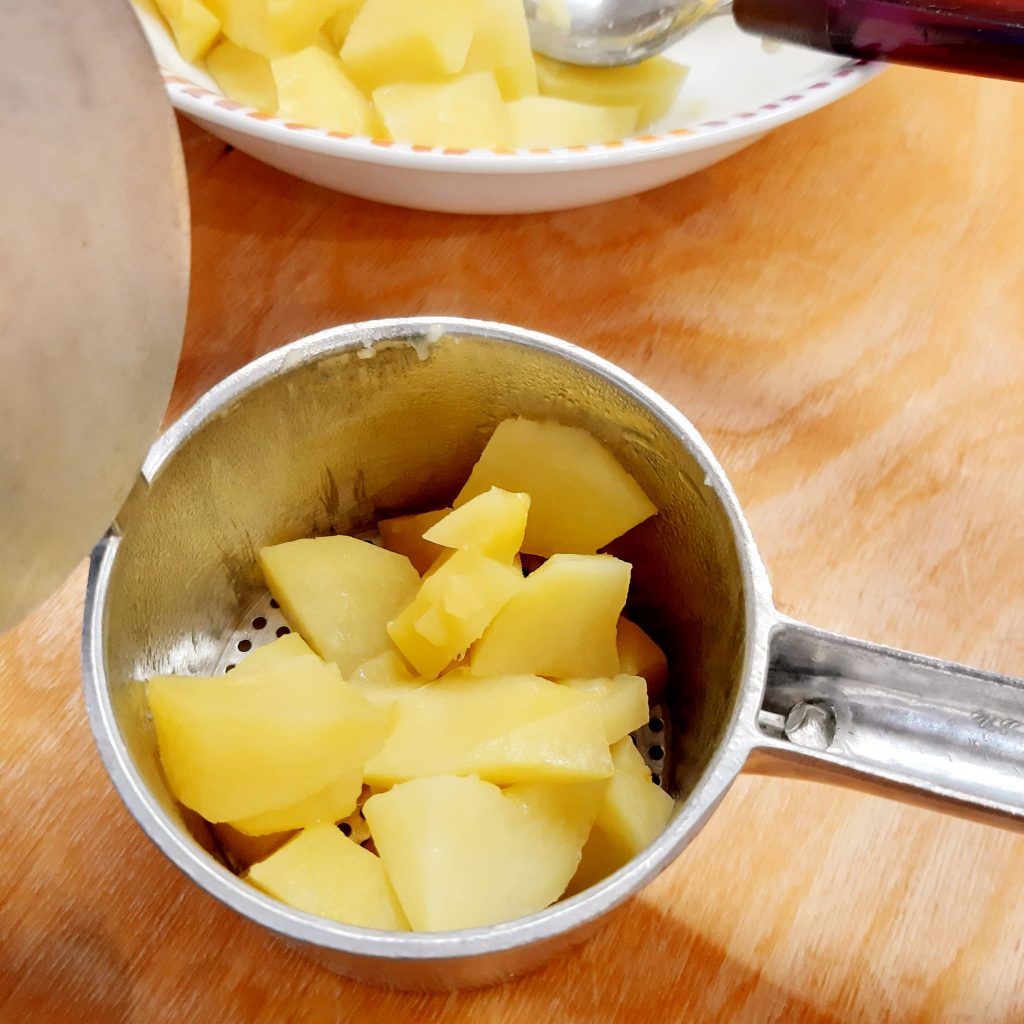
pixel 327 435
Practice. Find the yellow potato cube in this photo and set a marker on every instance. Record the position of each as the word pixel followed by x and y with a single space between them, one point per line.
pixel 278 653
pixel 404 534
pixel 633 813
pixel 322 872
pixel 622 701
pixel 568 746
pixel 628 759
pixel 452 608
pixel 446 554
pixel 194 26
pixel 337 27
pixel 639 655
pixel 243 76
pixel 387 667
pixel 384 679
pixel 313 89
pixel 492 523
pixel 501 43
pixel 580 497
pixel 328 805
pixel 408 40
pixel 506 730
pixel 241 850
pixel 539 121
pixel 340 593
pixel 561 623
pixel 235 748
pixel 461 853
pixel 517 81
pixel 274 27
pixel 242 21
pixel 465 113
pixel 649 87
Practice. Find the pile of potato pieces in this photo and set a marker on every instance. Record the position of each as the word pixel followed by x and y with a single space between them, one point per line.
pixel 447 73
pixel 477 764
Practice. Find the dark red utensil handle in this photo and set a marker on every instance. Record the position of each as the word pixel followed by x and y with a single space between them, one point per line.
pixel 979 37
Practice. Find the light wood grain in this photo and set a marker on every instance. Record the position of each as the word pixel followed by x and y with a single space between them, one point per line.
pixel 840 310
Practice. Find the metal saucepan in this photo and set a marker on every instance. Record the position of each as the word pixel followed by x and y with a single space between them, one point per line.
pixel 324 433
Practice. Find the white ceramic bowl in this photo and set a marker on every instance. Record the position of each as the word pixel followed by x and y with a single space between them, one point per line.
pixel 736 92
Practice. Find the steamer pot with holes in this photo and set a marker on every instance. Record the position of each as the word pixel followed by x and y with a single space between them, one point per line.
pixel 324 433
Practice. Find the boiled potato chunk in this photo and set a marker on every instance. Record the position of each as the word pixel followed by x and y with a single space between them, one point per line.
pixel 452 608
pixel 312 88
pixel 542 121
pixel 628 759
pixel 384 679
pixel 242 850
pixel 492 523
pixel 337 26
pixel 633 813
pixel 330 804
pixel 622 701
pixel 506 730
pixel 639 655
pixel 648 87
pixel 516 81
pixel 195 28
pixel 501 43
pixel 466 112
pixel 243 76
pixel 561 623
pixel 461 853
pixel 274 27
pixel 568 746
pixel 580 497
pixel 235 748
pixel 404 534
pixel 408 40
pixel 340 593
pixel 322 872
pixel 277 654
pixel 244 22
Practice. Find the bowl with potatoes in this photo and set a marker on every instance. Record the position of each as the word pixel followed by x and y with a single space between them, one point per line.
pixel 442 105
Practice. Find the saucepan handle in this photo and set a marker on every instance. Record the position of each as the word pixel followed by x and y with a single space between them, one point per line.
pixel 980 37
pixel 931 732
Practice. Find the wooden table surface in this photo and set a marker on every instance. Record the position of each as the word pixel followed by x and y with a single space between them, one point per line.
pixel 840 310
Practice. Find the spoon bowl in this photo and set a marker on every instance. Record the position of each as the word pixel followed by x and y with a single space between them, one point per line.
pixel 977 37
pixel 610 33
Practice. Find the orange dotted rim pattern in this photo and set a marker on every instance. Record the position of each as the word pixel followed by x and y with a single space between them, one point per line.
pixel 177 84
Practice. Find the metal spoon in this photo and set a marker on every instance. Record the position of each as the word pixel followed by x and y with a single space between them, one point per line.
pixel 981 37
